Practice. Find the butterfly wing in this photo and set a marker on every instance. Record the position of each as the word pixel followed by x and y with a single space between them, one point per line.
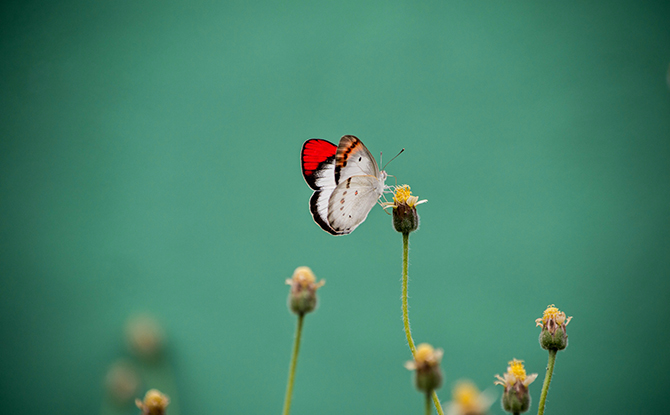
pixel 351 201
pixel 317 160
pixel 346 181
pixel 353 159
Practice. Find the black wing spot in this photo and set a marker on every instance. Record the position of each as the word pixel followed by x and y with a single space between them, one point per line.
pixel 348 182
pixel 349 216
pixel 360 158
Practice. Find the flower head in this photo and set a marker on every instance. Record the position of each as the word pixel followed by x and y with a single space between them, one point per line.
pixel 426 363
pixel 468 400
pixel 145 336
pixel 405 217
pixel 553 335
pixel 122 382
pixel 302 297
pixel 516 398
pixel 154 403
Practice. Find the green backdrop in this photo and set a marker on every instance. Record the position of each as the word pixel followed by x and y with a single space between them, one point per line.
pixel 149 163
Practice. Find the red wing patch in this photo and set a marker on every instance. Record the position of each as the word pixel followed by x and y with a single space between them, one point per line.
pixel 314 154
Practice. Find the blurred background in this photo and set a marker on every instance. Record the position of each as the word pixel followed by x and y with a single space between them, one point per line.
pixel 149 166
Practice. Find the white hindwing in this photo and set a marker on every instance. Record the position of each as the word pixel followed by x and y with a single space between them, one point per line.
pixel 325 181
pixel 351 201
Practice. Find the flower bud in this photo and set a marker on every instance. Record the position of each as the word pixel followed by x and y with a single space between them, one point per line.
pixel 302 296
pixel 122 382
pixel 155 403
pixel 516 398
pixel 426 363
pixel 405 217
pixel 468 400
pixel 553 335
pixel 145 337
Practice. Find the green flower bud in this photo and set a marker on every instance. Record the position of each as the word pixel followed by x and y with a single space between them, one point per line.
pixel 426 363
pixel 405 219
pixel 302 296
pixel 516 398
pixel 553 335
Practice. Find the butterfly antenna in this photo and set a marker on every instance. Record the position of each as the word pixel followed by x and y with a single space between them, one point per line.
pixel 384 168
pixel 396 179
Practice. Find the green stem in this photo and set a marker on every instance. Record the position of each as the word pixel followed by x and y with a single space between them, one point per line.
pixel 405 313
pixel 438 405
pixel 547 381
pixel 428 411
pixel 294 362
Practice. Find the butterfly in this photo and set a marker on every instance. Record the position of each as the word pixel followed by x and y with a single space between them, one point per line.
pixel 346 181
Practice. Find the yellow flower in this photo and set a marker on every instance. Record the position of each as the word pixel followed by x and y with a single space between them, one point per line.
pixel 405 217
pixel 515 374
pixel 145 336
pixel 427 365
pixel 425 356
pixel 122 381
pixel 468 400
pixel 302 296
pixel 304 277
pixel 552 314
pixel 516 398
pixel 402 195
pixel 553 335
pixel 154 403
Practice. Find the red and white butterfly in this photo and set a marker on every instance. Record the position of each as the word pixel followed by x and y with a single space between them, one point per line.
pixel 346 180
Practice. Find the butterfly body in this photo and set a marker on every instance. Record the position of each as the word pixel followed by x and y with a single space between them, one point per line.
pixel 346 181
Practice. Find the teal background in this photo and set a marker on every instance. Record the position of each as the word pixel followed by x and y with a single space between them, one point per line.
pixel 149 163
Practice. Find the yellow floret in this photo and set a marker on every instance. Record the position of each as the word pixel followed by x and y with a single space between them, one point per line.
pixel 516 368
pixel 550 313
pixel 424 353
pixel 304 276
pixel 402 193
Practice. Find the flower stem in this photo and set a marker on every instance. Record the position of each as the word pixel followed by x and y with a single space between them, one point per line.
pixel 547 381
pixel 294 362
pixel 405 313
pixel 428 411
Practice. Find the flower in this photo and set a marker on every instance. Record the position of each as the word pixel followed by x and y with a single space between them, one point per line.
pixel 154 403
pixel 302 297
pixel 426 363
pixel 145 336
pixel 516 398
pixel 405 217
pixel 468 400
pixel 122 382
pixel 402 195
pixel 553 335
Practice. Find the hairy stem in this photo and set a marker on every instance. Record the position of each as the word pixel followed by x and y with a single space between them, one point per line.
pixel 294 362
pixel 547 381
pixel 405 313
